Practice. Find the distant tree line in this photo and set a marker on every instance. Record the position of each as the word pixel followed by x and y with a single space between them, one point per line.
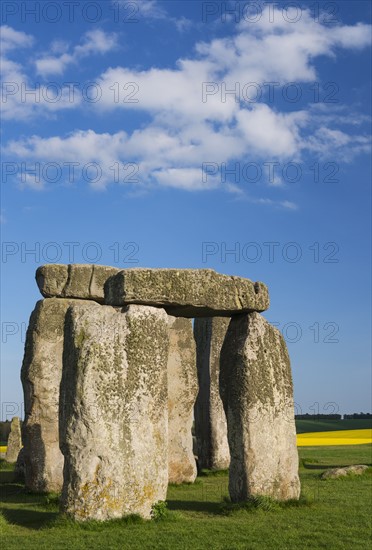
pixel 318 416
pixel 355 416
pixel 358 415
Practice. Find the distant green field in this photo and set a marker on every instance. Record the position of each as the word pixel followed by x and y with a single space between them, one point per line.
pixel 332 514
pixel 305 426
pixel 332 457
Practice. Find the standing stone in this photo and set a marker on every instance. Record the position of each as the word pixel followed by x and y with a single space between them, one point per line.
pixel 257 393
pixel 14 444
pixel 113 411
pixel 41 375
pixel 210 419
pixel 182 391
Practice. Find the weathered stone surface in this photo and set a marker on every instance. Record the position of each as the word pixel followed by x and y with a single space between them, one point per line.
pixel 114 411
pixel 187 292
pixel 210 419
pixel 256 390
pixel 52 279
pixel 80 281
pixel 41 375
pixel 182 391
pixel 334 473
pixel 14 444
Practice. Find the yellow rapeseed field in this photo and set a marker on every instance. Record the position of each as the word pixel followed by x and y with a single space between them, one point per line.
pixel 341 437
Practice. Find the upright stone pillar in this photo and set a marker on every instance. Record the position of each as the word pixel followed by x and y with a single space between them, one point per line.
pixel 14 444
pixel 182 392
pixel 41 376
pixel 61 285
pixel 114 411
pixel 210 419
pixel 256 389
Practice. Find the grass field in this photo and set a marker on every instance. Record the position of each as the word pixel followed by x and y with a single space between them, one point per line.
pixel 332 514
pixel 304 426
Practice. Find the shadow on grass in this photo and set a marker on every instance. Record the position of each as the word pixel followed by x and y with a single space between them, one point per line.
pixel 213 473
pixel 62 521
pixel 263 503
pixel 7 476
pixel 31 519
pixel 15 493
pixel 6 466
pixel 195 506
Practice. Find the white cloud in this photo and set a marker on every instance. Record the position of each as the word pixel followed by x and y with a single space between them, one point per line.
pixel 80 147
pixel 188 179
pixel 356 37
pixel 53 65
pixel 336 144
pixel 94 42
pixel 11 39
pixel 271 133
pixel 191 157
pixel 59 46
pixel 260 53
pixel 11 71
pixel 183 131
pixel 151 10
pixel 289 205
pixel 340 114
pixel 18 101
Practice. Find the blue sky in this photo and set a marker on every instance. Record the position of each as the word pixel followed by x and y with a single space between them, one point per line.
pixel 233 136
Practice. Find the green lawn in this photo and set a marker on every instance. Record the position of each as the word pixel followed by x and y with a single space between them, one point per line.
pixel 305 426
pixel 333 514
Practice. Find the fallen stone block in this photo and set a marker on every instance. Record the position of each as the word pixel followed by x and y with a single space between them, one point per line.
pixel 334 473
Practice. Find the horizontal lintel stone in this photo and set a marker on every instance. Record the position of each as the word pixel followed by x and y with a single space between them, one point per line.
pixel 187 292
pixel 80 281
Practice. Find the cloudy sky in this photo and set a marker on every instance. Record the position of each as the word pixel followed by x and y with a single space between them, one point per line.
pixel 227 135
